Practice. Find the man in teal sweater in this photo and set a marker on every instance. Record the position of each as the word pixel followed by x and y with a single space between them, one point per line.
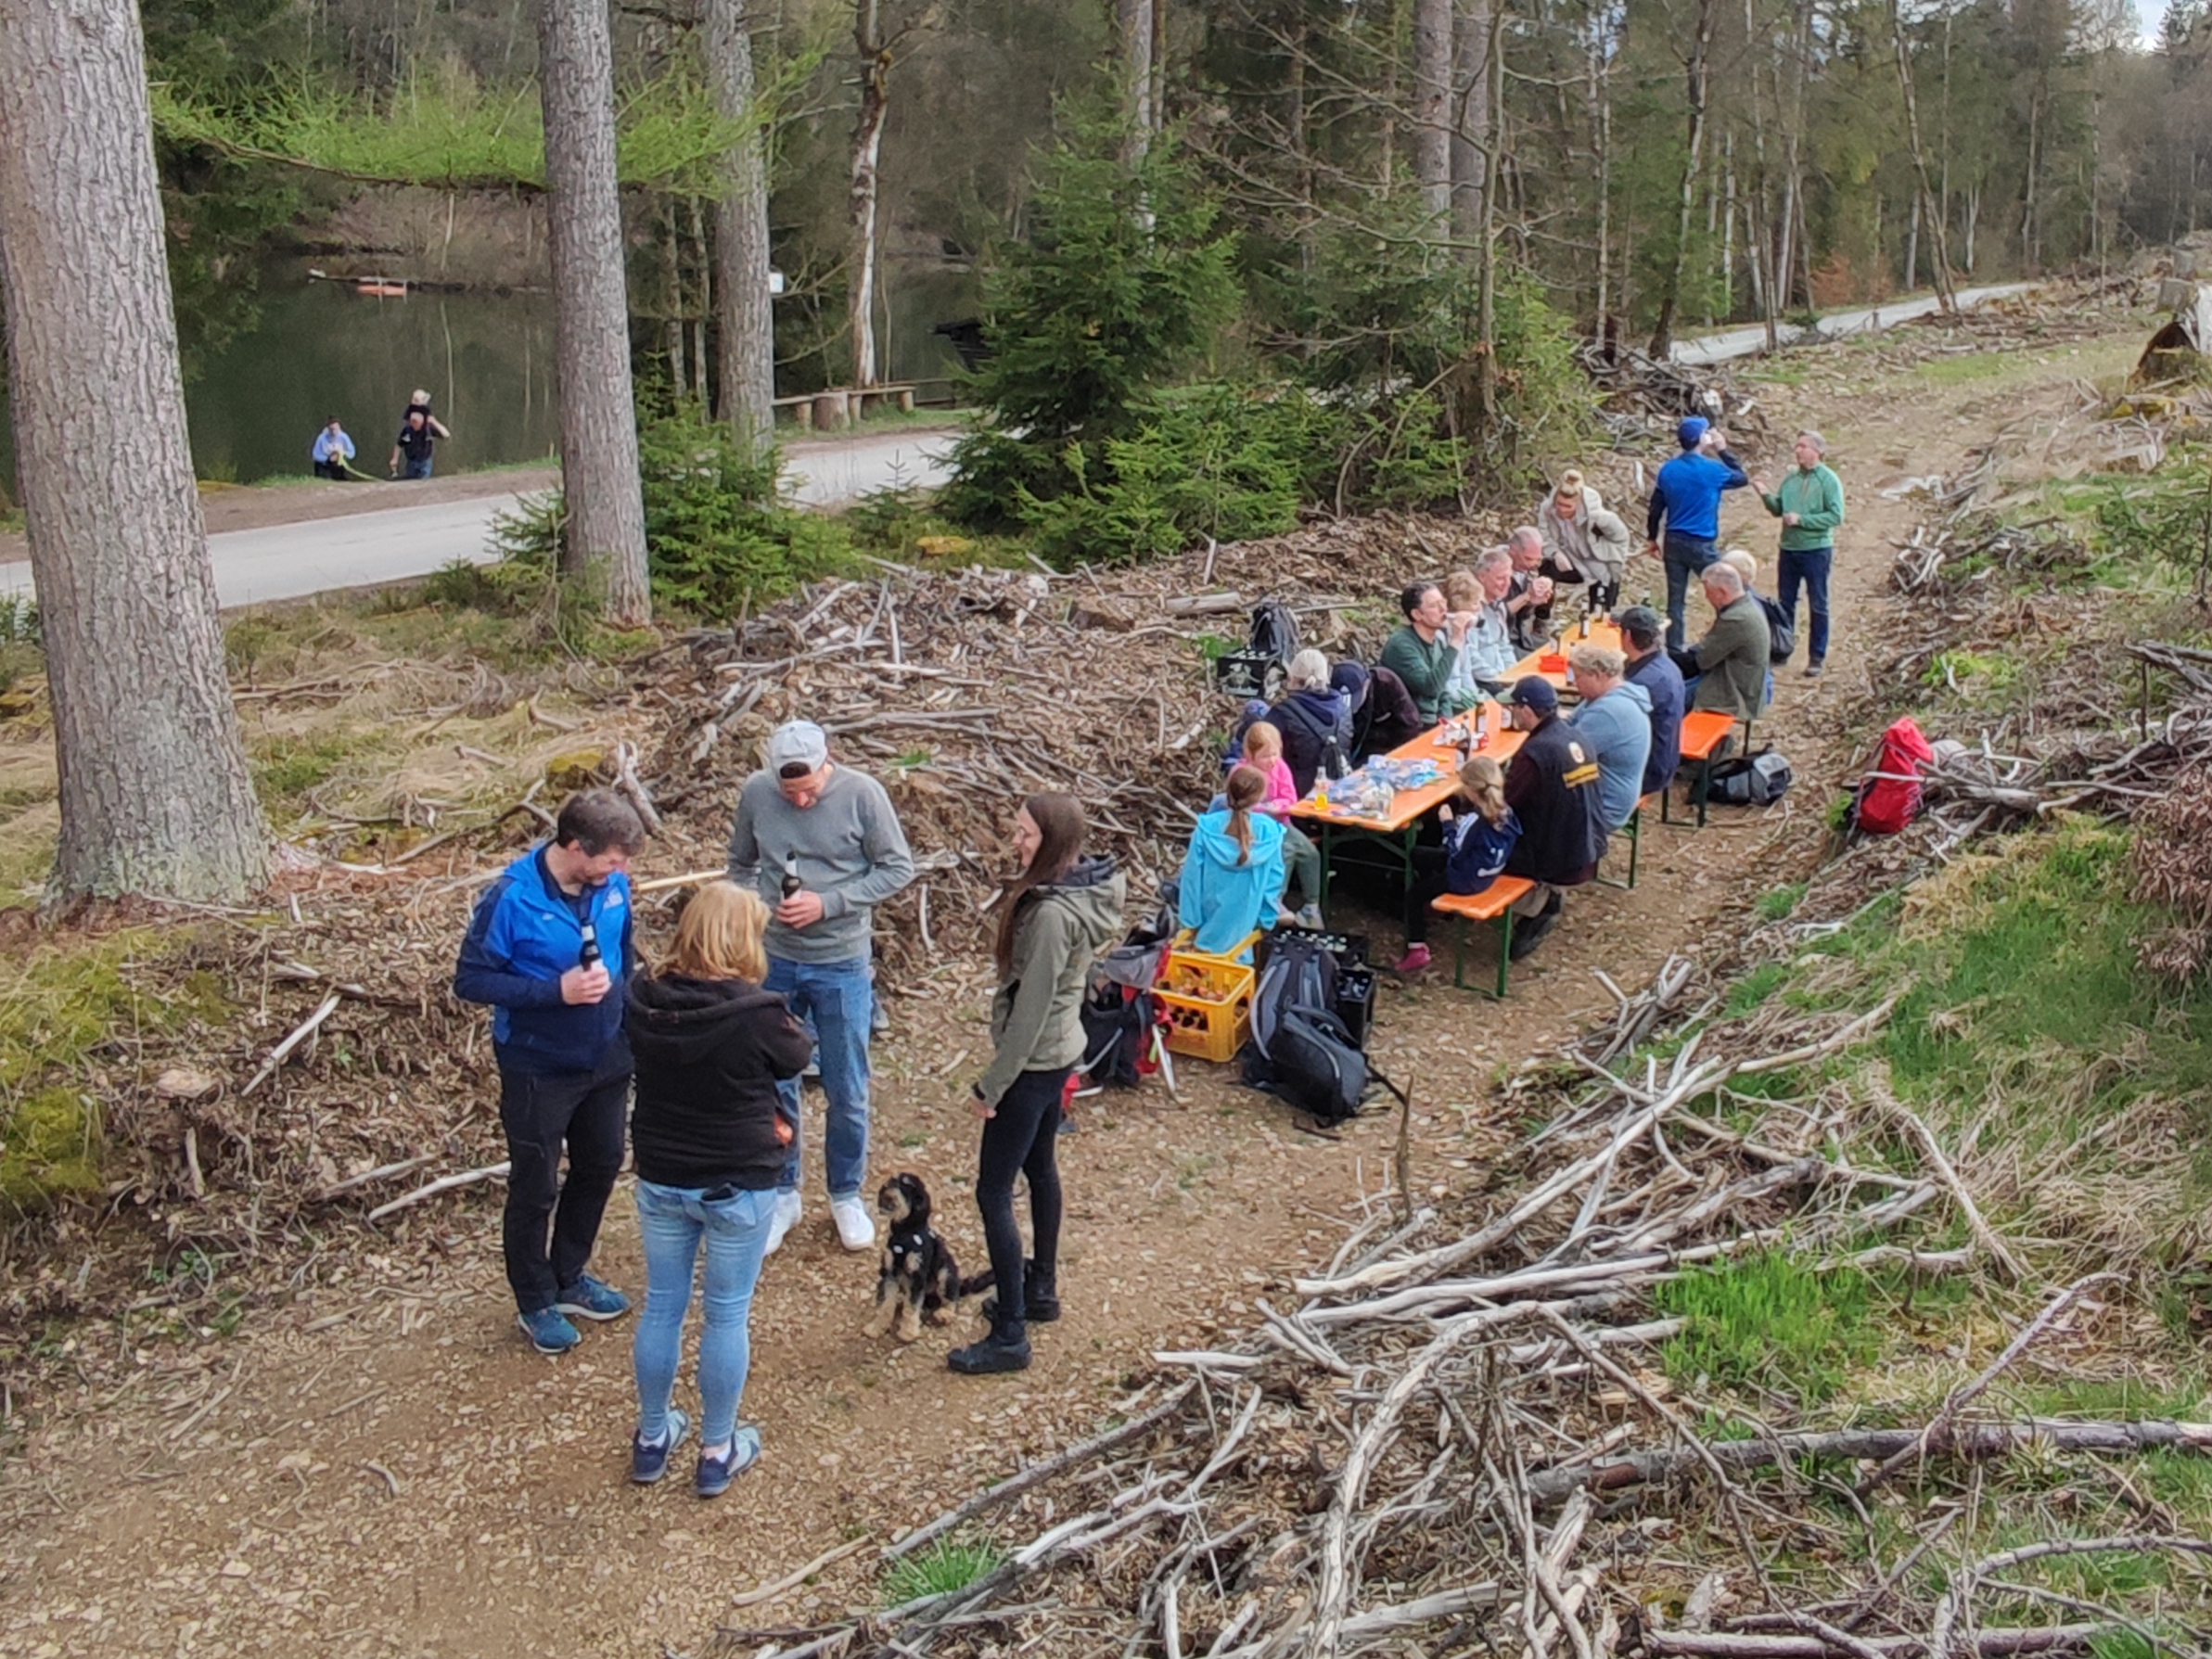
pixel 1421 653
pixel 1810 505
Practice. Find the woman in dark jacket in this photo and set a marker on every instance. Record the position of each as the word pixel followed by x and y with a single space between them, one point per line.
pixel 1315 718
pixel 710 1143
pixel 1060 910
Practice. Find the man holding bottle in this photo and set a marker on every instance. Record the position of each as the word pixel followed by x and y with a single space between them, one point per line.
pixel 823 846
pixel 548 949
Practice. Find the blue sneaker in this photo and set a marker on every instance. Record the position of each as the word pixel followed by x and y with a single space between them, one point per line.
pixel 713 1475
pixel 649 1462
pixel 547 1330
pixel 590 1298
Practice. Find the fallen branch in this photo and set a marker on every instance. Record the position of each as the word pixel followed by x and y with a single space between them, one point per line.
pixel 798 1575
pixel 445 1183
pixel 299 1034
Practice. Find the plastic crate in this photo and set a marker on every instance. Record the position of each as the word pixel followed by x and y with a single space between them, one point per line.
pixel 1349 949
pixel 1208 1000
pixel 1355 1002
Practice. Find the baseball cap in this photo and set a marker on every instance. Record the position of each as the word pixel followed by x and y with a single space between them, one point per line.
pixel 1690 430
pixel 796 743
pixel 1639 620
pixel 1352 680
pixel 1534 693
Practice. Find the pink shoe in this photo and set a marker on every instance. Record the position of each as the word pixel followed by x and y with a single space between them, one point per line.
pixel 1413 961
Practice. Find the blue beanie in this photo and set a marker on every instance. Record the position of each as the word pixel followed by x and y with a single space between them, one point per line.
pixel 1690 430
pixel 1352 680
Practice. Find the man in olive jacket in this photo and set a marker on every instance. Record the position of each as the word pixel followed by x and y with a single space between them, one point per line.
pixel 1810 505
pixel 1727 668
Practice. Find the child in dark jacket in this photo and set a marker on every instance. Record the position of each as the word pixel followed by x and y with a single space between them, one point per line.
pixel 1476 844
pixel 711 1045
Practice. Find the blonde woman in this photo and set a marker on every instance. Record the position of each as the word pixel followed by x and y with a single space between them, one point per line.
pixel 711 1139
pixel 1584 542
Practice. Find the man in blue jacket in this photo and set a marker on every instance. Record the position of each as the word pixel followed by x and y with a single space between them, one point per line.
pixel 1641 631
pixel 1686 499
pixel 549 950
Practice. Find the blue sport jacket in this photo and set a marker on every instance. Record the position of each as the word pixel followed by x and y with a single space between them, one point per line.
pixel 1686 494
pixel 526 933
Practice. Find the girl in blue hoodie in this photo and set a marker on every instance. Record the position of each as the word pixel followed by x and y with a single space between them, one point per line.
pixel 1233 874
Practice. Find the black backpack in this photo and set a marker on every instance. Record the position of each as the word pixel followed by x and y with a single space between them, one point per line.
pixel 1299 1048
pixel 1119 1013
pixel 1782 635
pixel 1333 761
pixel 1751 780
pixel 1275 631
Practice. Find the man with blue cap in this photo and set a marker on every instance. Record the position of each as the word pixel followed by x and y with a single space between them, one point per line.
pixel 1685 499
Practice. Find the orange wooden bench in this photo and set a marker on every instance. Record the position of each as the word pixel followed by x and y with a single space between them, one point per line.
pixel 1494 903
pixel 1703 732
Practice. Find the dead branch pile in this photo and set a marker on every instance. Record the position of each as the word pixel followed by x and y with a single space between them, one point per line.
pixel 1639 397
pixel 1452 1442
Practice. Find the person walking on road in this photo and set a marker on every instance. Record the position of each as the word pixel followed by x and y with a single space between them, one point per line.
pixel 548 949
pixel 1810 505
pixel 1061 909
pixel 821 846
pixel 1686 500
pixel 713 1044
pixel 332 450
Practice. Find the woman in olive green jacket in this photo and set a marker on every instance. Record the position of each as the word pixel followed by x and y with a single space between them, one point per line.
pixel 1059 910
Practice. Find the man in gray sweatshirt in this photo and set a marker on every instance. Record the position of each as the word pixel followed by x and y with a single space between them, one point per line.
pixel 821 846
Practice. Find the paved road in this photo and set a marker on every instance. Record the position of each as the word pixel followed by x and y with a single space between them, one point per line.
pixel 358 550
pixel 367 549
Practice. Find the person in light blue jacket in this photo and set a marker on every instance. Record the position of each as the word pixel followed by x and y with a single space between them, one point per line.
pixel 1615 718
pixel 1233 874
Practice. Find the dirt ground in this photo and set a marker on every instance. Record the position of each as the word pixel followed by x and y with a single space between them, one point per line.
pixel 386 1469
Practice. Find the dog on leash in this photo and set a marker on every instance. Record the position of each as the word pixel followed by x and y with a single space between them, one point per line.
pixel 919 1277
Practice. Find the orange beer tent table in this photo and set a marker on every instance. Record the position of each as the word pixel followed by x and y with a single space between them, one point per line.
pixel 1400 829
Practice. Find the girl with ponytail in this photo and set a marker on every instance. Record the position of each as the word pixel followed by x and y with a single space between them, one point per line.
pixel 1232 873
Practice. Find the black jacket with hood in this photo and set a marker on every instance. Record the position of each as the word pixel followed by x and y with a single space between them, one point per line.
pixel 709 1053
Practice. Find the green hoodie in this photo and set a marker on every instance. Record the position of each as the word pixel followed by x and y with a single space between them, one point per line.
pixel 1817 499
pixel 1036 1019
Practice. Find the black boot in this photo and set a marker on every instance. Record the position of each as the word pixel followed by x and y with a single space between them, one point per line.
pixel 1006 1349
pixel 1528 935
pixel 1038 1299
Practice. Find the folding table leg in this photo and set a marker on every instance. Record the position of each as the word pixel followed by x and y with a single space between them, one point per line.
pixel 1459 954
pixel 1504 949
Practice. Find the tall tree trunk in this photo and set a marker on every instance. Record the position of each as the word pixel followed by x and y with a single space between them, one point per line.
pixel 1470 116
pixel 703 306
pixel 672 262
pixel 741 250
pixel 1601 98
pixel 1925 210
pixel 155 794
pixel 1662 334
pixel 1133 23
pixel 1432 108
pixel 605 542
pixel 867 152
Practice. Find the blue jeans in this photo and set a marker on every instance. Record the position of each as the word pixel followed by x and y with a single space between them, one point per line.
pixel 1811 565
pixel 835 1001
pixel 1684 557
pixel 418 470
pixel 670 1222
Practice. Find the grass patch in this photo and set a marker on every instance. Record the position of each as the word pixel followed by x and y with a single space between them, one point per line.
pixel 937 1571
pixel 1966 369
pixel 284 769
pixel 1769 1320
pixel 1753 989
pixel 1777 903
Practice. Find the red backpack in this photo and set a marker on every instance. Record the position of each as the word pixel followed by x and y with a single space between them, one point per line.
pixel 1889 797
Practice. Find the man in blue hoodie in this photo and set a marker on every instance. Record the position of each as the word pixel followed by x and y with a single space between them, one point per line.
pixel 548 949
pixel 1685 499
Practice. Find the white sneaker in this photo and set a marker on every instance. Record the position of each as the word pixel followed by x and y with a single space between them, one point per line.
pixel 784 1218
pixel 855 1230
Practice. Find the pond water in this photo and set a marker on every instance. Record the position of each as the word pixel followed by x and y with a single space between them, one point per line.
pixel 319 349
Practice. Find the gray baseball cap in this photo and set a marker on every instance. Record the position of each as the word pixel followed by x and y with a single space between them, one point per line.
pixel 796 743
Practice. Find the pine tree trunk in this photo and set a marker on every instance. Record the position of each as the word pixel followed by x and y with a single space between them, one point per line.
pixel 606 540
pixel 1471 116
pixel 867 154
pixel 1432 107
pixel 1133 26
pixel 1662 337
pixel 741 247
pixel 155 794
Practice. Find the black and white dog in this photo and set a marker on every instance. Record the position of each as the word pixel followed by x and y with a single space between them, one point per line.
pixel 919 1275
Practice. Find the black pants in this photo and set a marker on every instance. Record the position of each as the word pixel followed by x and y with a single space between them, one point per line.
pixel 539 1112
pixel 1021 1137
pixel 1429 885
pixel 333 468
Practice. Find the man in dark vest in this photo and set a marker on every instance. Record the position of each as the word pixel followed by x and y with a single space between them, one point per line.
pixel 1552 785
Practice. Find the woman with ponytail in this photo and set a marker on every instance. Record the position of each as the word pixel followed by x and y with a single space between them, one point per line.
pixel 1233 874
pixel 1053 920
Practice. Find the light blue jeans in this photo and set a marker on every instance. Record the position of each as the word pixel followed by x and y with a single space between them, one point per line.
pixel 835 1001
pixel 670 1222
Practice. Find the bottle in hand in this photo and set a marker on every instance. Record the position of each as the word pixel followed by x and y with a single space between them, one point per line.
pixel 589 957
pixel 791 881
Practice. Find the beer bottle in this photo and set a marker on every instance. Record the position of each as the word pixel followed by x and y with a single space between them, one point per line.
pixel 589 957
pixel 791 881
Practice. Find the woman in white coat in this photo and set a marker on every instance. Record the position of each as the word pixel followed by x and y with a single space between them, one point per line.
pixel 1583 541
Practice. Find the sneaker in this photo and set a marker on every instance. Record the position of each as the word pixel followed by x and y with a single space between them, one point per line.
pixel 995 1353
pixel 648 1461
pixel 1310 918
pixel 712 1478
pixel 1416 958
pixel 591 1298
pixel 549 1332
pixel 856 1230
pixel 1812 670
pixel 784 1218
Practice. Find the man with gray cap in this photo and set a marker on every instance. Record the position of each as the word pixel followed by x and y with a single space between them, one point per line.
pixel 821 846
